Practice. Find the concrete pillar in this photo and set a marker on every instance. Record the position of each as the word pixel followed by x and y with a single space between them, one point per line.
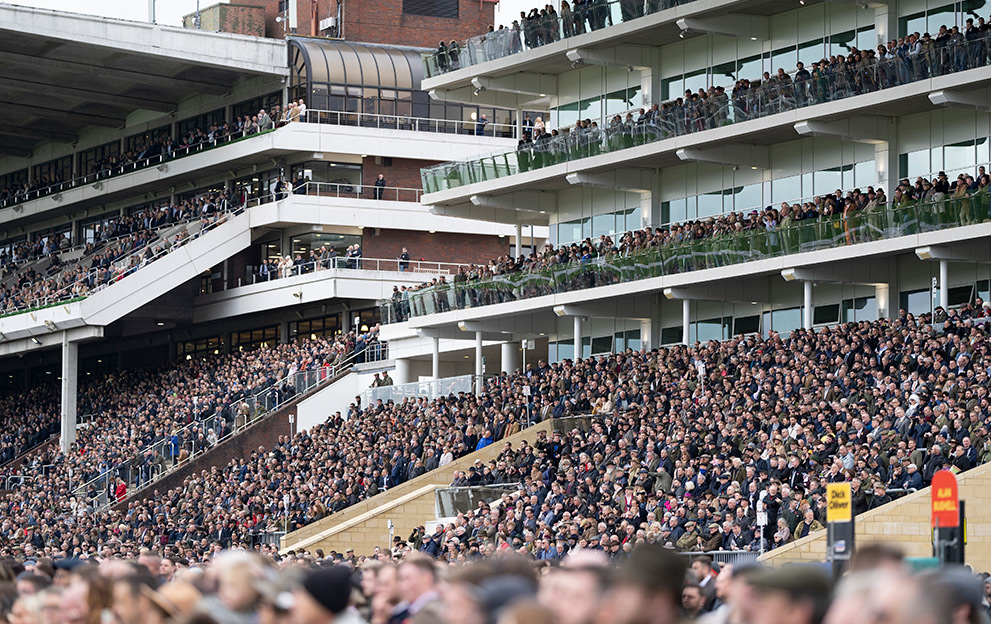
pixel 401 375
pixel 478 353
pixel 70 370
pixel 519 240
pixel 882 293
pixel 519 124
pixel 944 284
pixel 807 304
pixel 686 320
pixel 510 357
pixel 284 332
pixel 886 160
pixel 578 337
pixel 435 360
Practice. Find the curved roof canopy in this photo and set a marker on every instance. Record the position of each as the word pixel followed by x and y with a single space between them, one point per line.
pixel 355 64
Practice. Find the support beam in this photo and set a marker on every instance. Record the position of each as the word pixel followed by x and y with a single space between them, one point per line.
pixel 34 133
pixel 944 284
pixel 974 100
pixel 519 240
pixel 131 77
pixel 540 202
pixel 15 150
pixel 401 375
pixel 578 337
pixel 634 180
pixel 492 215
pixel 526 83
pixel 736 155
pixel 9 108
pixel 501 99
pixel 435 360
pixel 863 129
pixel 510 357
pixel 629 57
pixel 27 86
pixel 70 370
pixel 753 27
pixel 807 305
pixel 479 367
pixel 686 320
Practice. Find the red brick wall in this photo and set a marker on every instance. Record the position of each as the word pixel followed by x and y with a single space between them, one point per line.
pixel 382 21
pixel 439 247
pixel 243 20
pixel 403 173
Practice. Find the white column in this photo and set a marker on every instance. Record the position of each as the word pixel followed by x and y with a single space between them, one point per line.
pixel 881 295
pixel 807 304
pixel 478 353
pixel 435 360
pixel 70 370
pixel 402 371
pixel 686 320
pixel 944 284
pixel 510 357
pixel 519 240
pixel 578 337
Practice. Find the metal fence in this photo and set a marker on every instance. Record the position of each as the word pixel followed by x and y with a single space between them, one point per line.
pixel 452 501
pixel 421 389
pixel 726 556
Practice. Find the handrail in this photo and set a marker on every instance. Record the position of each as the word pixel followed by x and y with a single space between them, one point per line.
pixel 349 190
pixel 117 170
pixel 126 265
pixel 246 412
pixel 540 30
pixel 408 122
pixel 748 100
pixel 722 249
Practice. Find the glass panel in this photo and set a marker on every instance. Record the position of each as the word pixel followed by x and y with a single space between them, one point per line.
pixel 787 320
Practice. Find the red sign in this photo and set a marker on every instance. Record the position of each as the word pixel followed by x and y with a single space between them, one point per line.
pixel 946 502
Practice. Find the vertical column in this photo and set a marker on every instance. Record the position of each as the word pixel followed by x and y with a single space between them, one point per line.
pixel 478 363
pixel 686 320
pixel 886 159
pixel 402 371
pixel 70 361
pixel 578 337
pixel 283 332
pixel 519 240
pixel 510 357
pixel 519 124
pixel 944 285
pixel 435 360
pixel 807 304
pixel 881 294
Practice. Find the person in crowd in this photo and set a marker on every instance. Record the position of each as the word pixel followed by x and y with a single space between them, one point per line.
pixel 380 186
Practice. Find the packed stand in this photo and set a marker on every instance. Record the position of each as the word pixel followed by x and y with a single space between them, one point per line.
pixel 34 274
pixel 650 586
pixel 859 215
pixel 157 149
pixel 140 424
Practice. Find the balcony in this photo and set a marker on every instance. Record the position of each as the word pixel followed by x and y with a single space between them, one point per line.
pixel 827 91
pixel 884 223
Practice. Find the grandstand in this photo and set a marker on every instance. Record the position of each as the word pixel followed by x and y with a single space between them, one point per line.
pixel 316 286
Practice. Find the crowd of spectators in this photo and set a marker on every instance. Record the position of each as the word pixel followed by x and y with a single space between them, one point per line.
pixel 680 446
pixel 157 148
pixel 35 274
pixel 282 266
pixel 141 423
pixel 650 586
pixel 847 218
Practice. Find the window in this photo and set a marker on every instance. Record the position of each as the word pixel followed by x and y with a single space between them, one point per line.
pixel 859 309
pixel 138 142
pixel 670 335
pixel 711 329
pixel 203 348
pixel 826 314
pixel 960 295
pixel 915 301
pixel 627 340
pixel 203 122
pixel 746 325
pixel 94 159
pixel 58 170
pixel 432 8
pixel 316 328
pixel 248 340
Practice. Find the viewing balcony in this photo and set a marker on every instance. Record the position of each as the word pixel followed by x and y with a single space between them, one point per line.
pixel 764 113
pixel 882 224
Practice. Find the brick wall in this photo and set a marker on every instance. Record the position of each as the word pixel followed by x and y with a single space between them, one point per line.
pixel 439 247
pixel 402 173
pixel 906 524
pixel 382 21
pixel 243 20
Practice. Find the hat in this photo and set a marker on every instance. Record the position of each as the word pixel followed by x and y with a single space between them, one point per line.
pixel 330 587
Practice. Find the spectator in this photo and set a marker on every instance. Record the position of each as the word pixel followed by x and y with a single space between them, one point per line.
pixel 380 186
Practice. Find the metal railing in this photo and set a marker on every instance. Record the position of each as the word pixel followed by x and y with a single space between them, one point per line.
pixel 875 223
pixel 142 469
pixel 420 389
pixel 453 501
pixel 539 30
pixel 349 190
pixel 13 481
pixel 746 101
pixel 726 556
pixel 124 168
pixel 95 280
pixel 407 122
